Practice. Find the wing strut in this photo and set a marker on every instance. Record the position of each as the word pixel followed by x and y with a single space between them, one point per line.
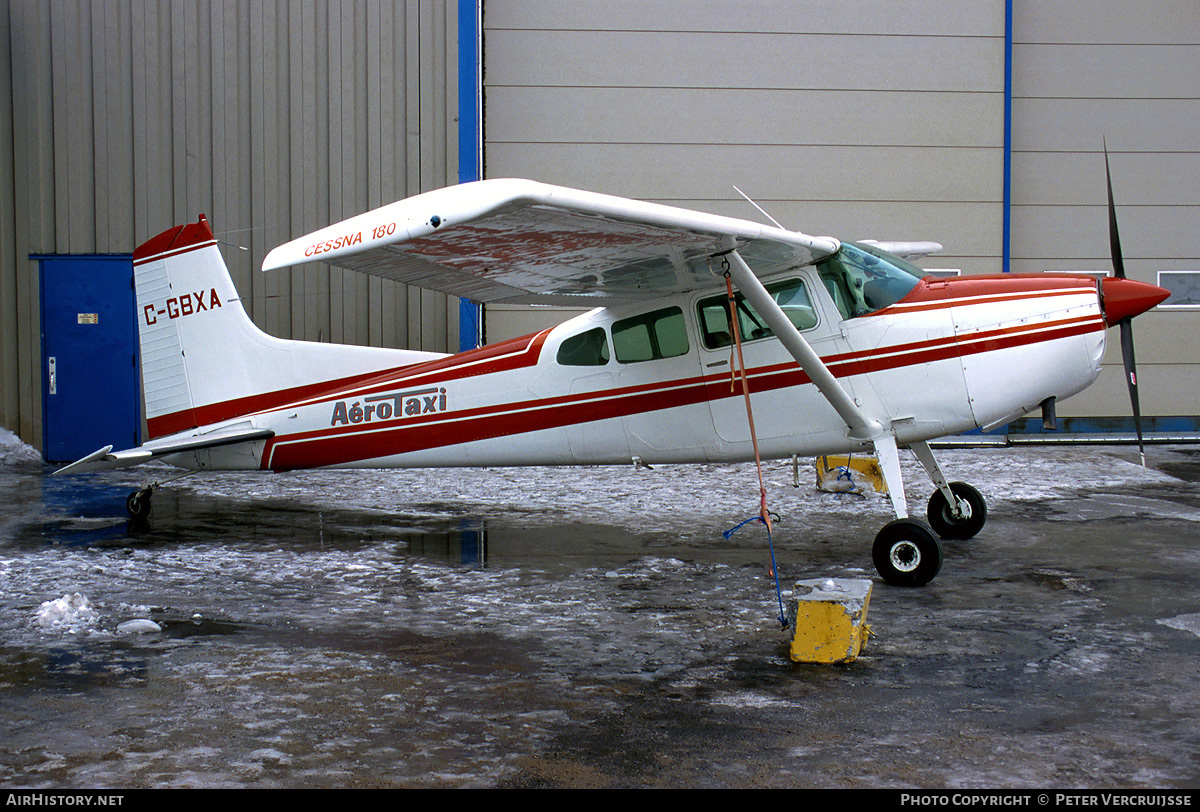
pixel 860 426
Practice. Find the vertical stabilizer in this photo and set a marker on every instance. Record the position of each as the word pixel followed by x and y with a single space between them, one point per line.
pixel 204 361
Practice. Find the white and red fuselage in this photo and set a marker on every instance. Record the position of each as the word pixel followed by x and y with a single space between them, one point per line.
pixel 951 355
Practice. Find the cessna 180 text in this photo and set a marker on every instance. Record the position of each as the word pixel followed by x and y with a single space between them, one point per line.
pixel 846 347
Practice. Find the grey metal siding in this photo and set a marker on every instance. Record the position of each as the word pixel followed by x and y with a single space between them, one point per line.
pixel 272 117
pixel 879 119
pixel 861 123
pixel 1088 71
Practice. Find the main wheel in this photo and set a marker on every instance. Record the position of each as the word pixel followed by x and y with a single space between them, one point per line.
pixel 137 505
pixel 974 513
pixel 907 553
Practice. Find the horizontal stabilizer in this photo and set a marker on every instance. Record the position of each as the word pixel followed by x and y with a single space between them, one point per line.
pixel 85 464
pixel 104 460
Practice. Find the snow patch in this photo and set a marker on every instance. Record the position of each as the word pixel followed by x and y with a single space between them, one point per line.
pixel 1185 623
pixel 14 452
pixel 71 613
pixel 139 626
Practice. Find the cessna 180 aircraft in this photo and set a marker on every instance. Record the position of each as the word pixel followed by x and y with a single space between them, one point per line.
pixel 844 347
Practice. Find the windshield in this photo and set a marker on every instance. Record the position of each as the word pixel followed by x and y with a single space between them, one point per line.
pixel 862 279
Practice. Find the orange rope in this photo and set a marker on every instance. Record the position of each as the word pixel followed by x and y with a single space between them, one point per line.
pixel 764 513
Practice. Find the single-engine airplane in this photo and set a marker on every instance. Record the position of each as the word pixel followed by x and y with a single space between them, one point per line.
pixel 846 347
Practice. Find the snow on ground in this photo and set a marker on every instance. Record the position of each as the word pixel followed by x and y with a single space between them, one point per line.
pixel 14 453
pixel 690 505
pixel 278 628
pixel 656 499
pixel 70 613
pixel 687 504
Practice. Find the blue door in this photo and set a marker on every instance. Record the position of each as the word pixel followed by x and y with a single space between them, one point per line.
pixel 90 394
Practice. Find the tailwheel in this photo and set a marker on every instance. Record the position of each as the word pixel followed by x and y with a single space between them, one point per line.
pixel 972 513
pixel 137 505
pixel 907 553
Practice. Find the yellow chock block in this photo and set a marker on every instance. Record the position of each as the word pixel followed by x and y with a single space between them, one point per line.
pixel 831 620
pixel 839 473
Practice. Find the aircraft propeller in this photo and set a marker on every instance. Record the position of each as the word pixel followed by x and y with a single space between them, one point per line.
pixel 1122 303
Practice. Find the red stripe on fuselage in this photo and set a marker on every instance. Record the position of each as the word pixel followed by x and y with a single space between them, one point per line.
pixel 253 404
pixel 353 443
pixel 500 357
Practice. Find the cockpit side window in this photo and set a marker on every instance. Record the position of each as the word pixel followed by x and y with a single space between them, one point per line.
pixel 715 327
pixel 863 279
pixel 587 349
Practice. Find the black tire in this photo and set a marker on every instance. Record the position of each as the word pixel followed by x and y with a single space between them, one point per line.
pixel 942 520
pixel 137 505
pixel 907 553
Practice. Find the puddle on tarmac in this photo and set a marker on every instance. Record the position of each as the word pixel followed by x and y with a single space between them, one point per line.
pixel 586 628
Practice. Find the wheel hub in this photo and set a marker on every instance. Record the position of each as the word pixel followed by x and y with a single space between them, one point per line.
pixel 905 556
pixel 961 515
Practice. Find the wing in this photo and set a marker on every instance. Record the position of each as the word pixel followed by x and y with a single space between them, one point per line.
pixel 520 241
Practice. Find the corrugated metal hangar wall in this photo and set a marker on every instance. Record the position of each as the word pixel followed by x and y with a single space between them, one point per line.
pixel 877 119
pixel 1084 72
pixel 122 118
pixel 883 119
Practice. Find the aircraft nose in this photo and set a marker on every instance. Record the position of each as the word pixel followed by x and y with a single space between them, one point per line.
pixel 1126 298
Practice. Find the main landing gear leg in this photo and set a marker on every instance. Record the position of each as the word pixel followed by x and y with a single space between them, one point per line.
pixel 906 552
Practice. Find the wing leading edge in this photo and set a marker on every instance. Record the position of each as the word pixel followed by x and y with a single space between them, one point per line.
pixel 520 241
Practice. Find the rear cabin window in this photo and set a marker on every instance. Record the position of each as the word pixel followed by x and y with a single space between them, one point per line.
pixel 790 295
pixel 650 336
pixel 588 349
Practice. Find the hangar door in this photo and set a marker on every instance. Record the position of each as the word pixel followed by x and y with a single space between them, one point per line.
pixel 90 394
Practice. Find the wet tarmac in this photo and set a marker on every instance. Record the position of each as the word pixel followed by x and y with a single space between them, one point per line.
pixel 593 628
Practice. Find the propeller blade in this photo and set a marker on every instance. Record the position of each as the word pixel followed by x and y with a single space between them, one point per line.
pixel 1114 238
pixel 1131 380
pixel 1126 323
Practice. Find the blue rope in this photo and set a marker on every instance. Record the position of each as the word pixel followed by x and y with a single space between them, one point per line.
pixel 783 624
